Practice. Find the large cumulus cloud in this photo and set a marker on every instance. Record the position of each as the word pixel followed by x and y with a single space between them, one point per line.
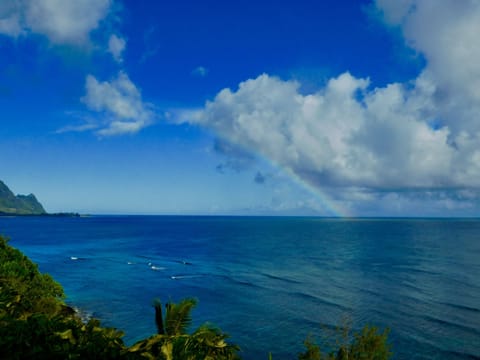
pixel 424 134
pixel 343 135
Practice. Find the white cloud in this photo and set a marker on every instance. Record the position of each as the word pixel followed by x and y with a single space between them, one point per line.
pixel 10 19
pixel 120 104
pixel 200 71
pixel 343 135
pixel 384 142
pixel 86 126
pixel 394 12
pixel 446 33
pixel 116 46
pixel 63 22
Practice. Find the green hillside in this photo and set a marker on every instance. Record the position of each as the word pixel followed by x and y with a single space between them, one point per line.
pixel 12 204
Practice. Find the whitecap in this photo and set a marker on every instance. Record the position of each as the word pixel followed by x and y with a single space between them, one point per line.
pixel 177 277
pixel 156 268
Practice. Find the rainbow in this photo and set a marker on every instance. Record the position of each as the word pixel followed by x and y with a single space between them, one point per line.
pixel 331 207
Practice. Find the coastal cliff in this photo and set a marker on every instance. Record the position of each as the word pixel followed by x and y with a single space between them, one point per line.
pixel 11 204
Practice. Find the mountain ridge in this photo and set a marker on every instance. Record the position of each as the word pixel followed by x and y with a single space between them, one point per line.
pixel 11 204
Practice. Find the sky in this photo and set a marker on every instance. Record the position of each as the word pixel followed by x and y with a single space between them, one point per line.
pixel 325 108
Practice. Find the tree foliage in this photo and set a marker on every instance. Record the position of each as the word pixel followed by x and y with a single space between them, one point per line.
pixel 368 344
pixel 173 341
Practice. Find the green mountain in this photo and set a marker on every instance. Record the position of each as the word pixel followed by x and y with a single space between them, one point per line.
pixel 19 204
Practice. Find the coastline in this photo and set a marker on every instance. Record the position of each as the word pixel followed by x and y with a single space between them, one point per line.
pixel 61 214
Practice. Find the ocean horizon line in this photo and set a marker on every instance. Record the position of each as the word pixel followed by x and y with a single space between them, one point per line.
pixel 277 216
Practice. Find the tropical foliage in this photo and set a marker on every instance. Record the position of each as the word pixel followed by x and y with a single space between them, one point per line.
pixel 35 323
pixel 367 344
pixel 173 342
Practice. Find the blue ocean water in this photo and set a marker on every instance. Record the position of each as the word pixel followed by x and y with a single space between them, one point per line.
pixel 271 282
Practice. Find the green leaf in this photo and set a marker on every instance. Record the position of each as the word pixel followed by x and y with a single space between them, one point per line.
pixel 67 335
pixel 178 317
pixel 167 350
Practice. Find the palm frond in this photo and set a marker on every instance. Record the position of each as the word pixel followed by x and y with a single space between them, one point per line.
pixel 178 317
pixel 159 317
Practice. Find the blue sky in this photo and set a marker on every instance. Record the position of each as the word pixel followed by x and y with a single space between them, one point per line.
pixel 350 108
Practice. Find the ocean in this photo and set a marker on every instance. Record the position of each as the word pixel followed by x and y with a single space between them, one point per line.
pixel 270 282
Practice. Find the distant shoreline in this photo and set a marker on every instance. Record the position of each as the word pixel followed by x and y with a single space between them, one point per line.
pixel 61 214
